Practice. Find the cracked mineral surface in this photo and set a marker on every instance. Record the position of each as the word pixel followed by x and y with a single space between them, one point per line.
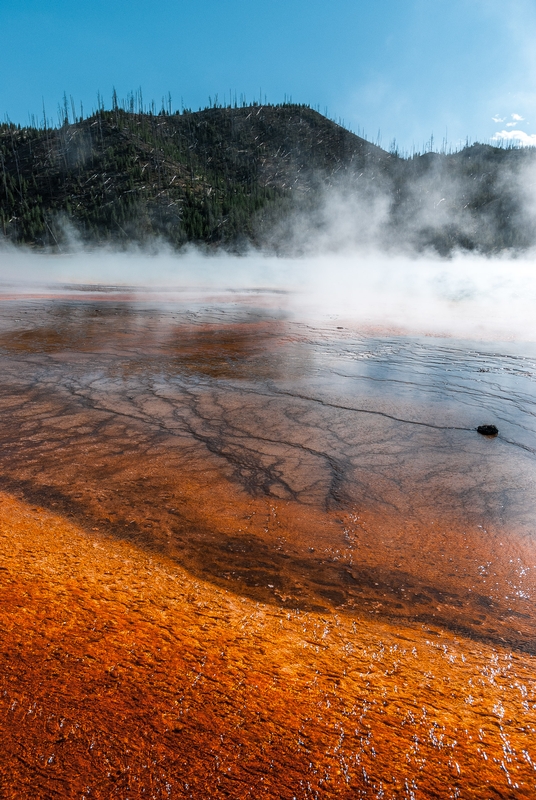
pixel 247 556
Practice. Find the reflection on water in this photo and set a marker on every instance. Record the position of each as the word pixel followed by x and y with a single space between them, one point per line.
pixel 313 469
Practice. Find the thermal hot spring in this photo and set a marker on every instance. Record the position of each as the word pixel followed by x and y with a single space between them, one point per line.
pixel 249 555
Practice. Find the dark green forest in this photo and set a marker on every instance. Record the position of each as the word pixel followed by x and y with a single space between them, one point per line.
pixel 231 176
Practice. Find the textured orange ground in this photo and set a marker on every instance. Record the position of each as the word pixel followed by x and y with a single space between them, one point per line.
pixel 122 676
pixel 224 574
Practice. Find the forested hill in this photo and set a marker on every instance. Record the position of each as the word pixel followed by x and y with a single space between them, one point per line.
pixel 233 176
pixel 206 176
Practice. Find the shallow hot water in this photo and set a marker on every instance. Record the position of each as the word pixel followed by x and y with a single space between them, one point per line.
pixel 311 468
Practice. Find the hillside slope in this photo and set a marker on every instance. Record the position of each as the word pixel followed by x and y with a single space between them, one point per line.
pixel 282 177
pixel 201 177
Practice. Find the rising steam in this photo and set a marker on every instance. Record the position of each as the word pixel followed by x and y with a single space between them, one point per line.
pixel 348 255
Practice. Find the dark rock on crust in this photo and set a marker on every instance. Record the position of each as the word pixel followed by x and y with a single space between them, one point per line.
pixel 488 430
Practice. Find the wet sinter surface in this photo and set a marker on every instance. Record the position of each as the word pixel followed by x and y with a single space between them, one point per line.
pixel 354 561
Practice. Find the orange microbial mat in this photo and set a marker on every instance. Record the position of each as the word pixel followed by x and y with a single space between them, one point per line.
pixel 243 556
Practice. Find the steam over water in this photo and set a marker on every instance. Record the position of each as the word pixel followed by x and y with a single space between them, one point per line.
pixel 466 296
pixel 310 449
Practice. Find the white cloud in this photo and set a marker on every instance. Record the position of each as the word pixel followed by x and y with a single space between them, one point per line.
pixel 522 137
pixel 516 118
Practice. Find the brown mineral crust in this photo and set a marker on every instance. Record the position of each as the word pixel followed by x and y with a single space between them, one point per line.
pixel 261 547
pixel 165 429
pixel 147 490
pixel 221 580
pixel 123 676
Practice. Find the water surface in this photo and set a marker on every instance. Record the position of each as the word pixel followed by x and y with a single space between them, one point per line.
pixel 308 467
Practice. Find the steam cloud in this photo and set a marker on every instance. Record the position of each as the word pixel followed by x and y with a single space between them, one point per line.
pixel 346 256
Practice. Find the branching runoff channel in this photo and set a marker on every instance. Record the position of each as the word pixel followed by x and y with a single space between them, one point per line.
pixel 303 465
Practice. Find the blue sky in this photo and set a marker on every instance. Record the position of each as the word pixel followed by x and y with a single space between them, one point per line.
pixel 404 68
